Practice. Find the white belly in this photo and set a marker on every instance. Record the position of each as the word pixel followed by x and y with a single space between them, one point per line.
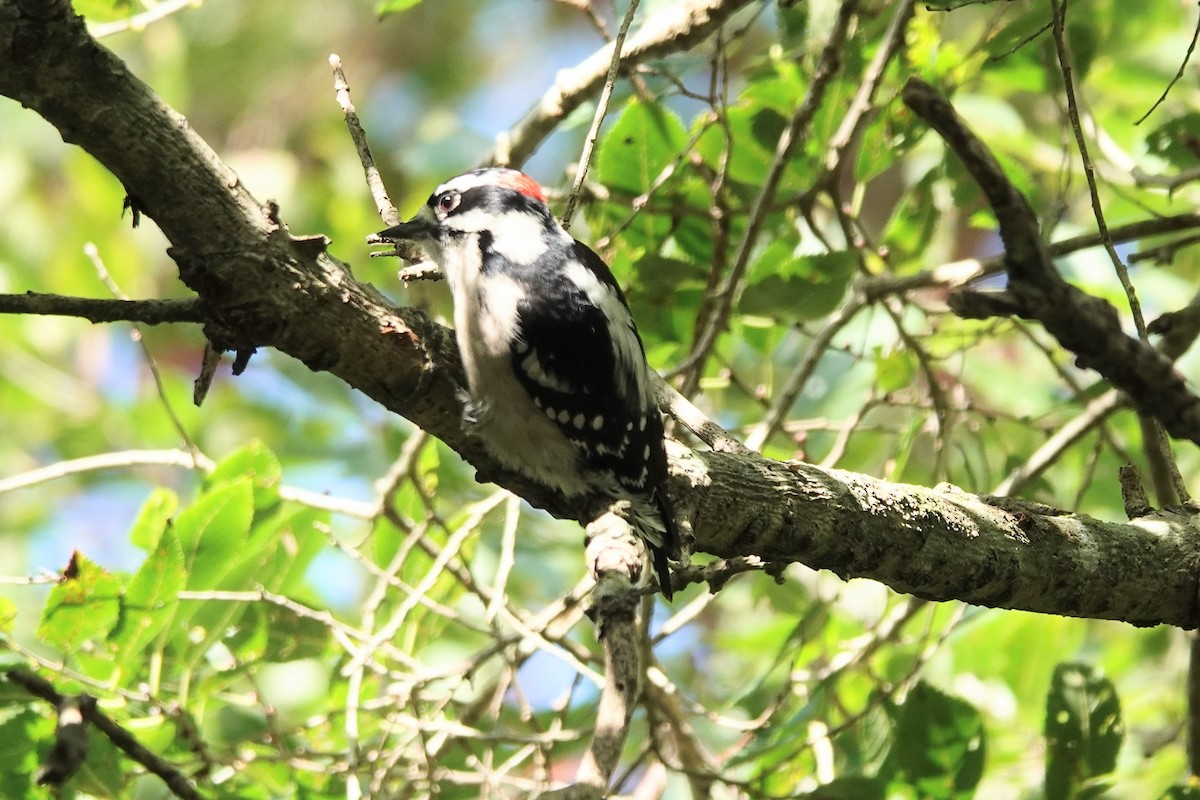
pixel 517 433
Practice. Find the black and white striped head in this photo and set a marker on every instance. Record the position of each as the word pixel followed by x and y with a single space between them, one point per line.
pixel 495 200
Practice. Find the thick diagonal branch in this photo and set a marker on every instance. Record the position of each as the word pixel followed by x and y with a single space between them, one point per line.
pixel 1087 326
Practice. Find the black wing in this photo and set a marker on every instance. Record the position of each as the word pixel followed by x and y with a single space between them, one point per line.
pixel 567 360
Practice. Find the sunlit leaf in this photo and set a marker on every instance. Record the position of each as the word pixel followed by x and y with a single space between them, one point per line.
pixel 150 599
pixel 84 604
pixel 153 518
pixel 101 10
pixel 384 7
pixel 212 531
pixel 640 144
pixel 8 614
pixel 258 463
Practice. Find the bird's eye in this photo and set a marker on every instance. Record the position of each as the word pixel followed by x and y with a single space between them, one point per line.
pixel 448 202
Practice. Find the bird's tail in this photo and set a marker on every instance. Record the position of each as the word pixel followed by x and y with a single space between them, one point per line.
pixel 655 522
pixel 671 547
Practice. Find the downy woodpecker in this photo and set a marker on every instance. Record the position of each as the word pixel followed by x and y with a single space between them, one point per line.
pixel 558 384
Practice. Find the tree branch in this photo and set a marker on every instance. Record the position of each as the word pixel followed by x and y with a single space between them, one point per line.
pixel 1087 326
pixel 675 28
pixel 957 274
pixel 943 544
pixel 150 312
pixel 179 785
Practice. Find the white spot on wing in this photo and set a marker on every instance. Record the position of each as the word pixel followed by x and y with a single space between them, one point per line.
pixel 597 422
pixel 578 421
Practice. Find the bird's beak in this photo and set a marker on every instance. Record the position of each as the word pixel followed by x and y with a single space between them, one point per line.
pixel 418 229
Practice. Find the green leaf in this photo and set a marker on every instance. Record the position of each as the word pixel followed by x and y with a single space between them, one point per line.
pixel 643 140
pixel 1177 140
pixel 103 10
pixel 660 277
pixel 150 599
pixel 18 753
pixel 100 774
pixel 1083 729
pixel 256 462
pixel 939 744
pixel 1190 791
pixel 385 7
pixel 276 552
pixel 153 518
pixel 797 287
pixel 84 604
pixel 8 614
pixel 212 530
pixel 914 220
pixel 852 787
pixel 894 370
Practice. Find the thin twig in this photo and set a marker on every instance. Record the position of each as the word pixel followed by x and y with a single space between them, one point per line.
pixel 676 27
pixel 124 459
pixel 155 12
pixel 1158 448
pixel 957 274
pixel 118 460
pixel 383 203
pixel 1182 67
pixel 1089 168
pixel 1092 415
pixel 93 254
pixel 341 89
pixel 862 107
pixel 589 142
pixel 729 290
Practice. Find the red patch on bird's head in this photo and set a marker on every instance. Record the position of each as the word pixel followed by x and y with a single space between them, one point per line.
pixel 520 182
